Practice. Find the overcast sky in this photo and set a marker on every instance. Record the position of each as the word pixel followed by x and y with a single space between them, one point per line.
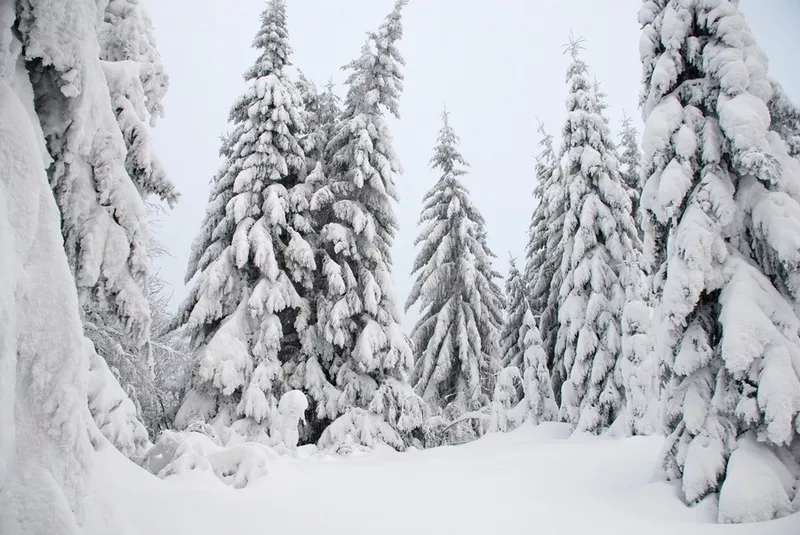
pixel 497 65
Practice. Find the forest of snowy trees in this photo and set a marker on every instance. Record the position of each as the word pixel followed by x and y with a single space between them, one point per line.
pixel 658 295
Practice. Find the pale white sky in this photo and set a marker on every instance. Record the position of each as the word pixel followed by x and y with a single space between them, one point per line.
pixel 498 66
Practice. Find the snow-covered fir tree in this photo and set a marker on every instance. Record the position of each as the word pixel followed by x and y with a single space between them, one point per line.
pixel 545 250
pixel 517 304
pixel 57 127
pixel 358 355
pixel 246 311
pixel 457 335
pixel 721 210
pixel 630 165
pixel 101 170
pixel 599 238
pixel 539 402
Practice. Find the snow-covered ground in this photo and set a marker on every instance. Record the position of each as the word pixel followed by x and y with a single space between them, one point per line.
pixel 533 480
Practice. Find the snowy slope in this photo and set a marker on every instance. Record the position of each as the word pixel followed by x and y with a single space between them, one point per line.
pixel 533 480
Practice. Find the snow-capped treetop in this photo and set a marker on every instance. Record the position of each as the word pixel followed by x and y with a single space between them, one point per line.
pixel 446 156
pixel 376 79
pixel 272 39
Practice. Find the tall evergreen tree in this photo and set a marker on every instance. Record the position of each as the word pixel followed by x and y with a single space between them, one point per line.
pixel 545 250
pixel 456 337
pixel 252 259
pixel 101 170
pixel 599 238
pixel 721 212
pixel 73 240
pixel 630 165
pixel 358 356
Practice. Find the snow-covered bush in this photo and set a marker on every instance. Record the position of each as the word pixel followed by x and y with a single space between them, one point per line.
pixel 505 399
pixel 359 430
pixel 237 465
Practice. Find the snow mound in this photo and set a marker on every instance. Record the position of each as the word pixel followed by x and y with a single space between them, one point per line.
pixel 239 465
pixel 757 487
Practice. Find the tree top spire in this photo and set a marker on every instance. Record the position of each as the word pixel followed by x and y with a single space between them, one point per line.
pixel 574 45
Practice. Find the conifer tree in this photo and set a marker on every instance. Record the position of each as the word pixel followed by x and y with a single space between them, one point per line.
pixel 457 335
pixel 246 312
pixel 73 241
pixel 599 238
pixel 511 343
pixel 539 402
pixel 101 170
pixel 722 218
pixel 358 355
pixel 630 167
pixel 545 250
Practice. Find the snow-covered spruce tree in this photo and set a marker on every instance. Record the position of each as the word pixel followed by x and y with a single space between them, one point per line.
pixel 99 179
pixel 545 250
pixel 456 337
pixel 137 84
pixel 722 221
pixel 599 239
pixel 517 304
pixel 245 313
pixel 539 402
pixel 359 357
pixel 630 165
pixel 47 433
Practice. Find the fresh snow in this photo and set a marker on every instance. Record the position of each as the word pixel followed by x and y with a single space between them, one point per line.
pixel 534 478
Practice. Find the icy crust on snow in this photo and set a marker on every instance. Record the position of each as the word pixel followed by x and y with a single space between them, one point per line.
pixel 45 448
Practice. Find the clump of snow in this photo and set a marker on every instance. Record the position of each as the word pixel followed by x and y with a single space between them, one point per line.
pixel 291 411
pixel 758 486
pixel 237 465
